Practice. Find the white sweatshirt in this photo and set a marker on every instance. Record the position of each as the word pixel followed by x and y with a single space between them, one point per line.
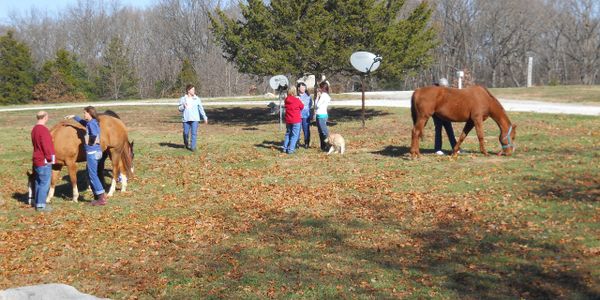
pixel 321 104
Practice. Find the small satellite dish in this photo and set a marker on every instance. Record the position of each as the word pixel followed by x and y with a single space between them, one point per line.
pixel 365 61
pixel 278 82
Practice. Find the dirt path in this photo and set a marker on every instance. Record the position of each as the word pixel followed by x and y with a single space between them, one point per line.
pixel 374 99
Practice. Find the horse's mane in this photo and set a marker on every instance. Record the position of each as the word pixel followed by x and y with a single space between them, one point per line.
pixel 111 113
pixel 495 100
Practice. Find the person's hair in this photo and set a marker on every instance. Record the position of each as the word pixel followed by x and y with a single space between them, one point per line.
pixel 305 90
pixel 291 91
pixel 92 111
pixel 324 87
pixel 189 87
pixel 41 114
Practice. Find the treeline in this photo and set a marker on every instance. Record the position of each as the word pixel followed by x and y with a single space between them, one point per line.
pixel 104 50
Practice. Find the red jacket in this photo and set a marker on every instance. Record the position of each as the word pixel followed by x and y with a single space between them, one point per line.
pixel 42 145
pixel 293 110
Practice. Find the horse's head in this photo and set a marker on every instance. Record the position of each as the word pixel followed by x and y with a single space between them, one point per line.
pixel 508 141
pixel 30 185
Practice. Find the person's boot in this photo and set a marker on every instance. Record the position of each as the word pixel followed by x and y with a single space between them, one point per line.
pixel 101 200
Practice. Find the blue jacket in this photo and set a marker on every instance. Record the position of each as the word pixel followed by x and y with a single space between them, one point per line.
pixel 307 101
pixel 194 110
pixel 92 134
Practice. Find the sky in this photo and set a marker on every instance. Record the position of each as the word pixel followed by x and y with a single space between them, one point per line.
pixel 54 6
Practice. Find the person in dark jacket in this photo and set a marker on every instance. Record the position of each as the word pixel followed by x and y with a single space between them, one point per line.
pixel 43 158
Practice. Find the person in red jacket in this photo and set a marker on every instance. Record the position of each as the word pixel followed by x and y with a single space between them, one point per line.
pixel 293 120
pixel 43 158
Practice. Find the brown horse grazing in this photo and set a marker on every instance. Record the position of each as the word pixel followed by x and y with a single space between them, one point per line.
pixel 472 105
pixel 68 139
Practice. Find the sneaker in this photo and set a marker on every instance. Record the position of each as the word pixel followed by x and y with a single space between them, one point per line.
pixel 439 152
pixel 43 209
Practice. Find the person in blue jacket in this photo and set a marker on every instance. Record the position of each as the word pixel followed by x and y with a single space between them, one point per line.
pixel 93 151
pixel 305 114
pixel 191 110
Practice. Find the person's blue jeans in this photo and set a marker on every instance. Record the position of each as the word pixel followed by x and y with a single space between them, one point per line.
pixel 190 132
pixel 438 123
pixel 42 185
pixel 323 132
pixel 92 170
pixel 306 131
pixel 292 133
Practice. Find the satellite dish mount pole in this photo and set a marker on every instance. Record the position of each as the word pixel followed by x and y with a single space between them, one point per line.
pixel 364 62
pixel 281 95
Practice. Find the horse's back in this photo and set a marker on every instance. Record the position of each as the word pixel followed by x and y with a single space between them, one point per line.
pixel 67 137
pixel 458 105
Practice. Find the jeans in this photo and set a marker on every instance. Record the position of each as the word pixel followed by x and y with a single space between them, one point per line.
pixel 438 123
pixel 306 131
pixel 92 170
pixel 323 132
pixel 290 140
pixel 190 128
pixel 42 184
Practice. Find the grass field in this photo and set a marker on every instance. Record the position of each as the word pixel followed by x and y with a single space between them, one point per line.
pixel 238 219
pixel 559 93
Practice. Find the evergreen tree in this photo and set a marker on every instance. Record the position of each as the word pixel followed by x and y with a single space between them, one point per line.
pixel 64 79
pixel 16 71
pixel 186 76
pixel 294 37
pixel 117 77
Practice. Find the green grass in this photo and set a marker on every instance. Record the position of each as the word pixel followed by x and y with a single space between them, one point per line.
pixel 238 219
pixel 559 93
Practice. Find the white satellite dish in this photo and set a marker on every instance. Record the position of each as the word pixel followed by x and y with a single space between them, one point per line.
pixel 365 61
pixel 278 81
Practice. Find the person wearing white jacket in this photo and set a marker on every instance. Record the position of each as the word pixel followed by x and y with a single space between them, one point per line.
pixel 191 110
pixel 321 105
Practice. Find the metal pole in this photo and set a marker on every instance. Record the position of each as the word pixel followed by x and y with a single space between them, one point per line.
pixel 280 111
pixel 362 84
pixel 529 71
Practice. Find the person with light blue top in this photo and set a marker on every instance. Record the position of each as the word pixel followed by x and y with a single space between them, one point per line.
pixel 305 114
pixel 191 110
pixel 93 151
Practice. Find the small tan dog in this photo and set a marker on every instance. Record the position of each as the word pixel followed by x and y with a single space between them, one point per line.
pixel 337 143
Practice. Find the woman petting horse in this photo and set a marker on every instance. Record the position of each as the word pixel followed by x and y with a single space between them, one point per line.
pixel 93 151
pixel 472 105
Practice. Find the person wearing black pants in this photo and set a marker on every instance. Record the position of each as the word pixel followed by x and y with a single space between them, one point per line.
pixel 438 123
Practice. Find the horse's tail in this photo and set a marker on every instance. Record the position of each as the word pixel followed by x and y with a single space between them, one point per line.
pixel 413 112
pixel 126 158
pixel 413 109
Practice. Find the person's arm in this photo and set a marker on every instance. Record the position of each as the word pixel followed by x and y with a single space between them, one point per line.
pixel 182 104
pixel 93 133
pixel 76 118
pixel 201 110
pixel 48 148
